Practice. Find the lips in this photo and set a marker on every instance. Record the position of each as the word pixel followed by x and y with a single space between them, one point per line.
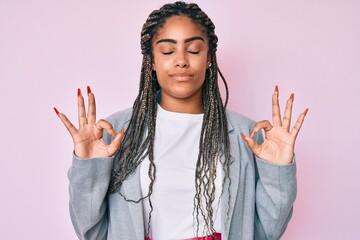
pixel 181 77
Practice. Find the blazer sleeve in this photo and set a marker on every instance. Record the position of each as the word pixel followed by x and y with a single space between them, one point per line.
pixel 88 185
pixel 275 195
pixel 89 182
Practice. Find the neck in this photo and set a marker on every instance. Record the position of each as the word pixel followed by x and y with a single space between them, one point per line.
pixel 192 105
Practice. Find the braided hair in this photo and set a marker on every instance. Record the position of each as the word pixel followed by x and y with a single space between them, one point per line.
pixel 138 141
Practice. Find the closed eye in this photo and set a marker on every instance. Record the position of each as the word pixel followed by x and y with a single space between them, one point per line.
pixel 167 53
pixel 194 52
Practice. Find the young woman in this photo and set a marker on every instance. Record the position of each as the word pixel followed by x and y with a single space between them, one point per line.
pixel 177 165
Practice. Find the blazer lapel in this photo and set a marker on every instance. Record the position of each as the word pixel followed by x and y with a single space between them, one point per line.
pixel 226 206
pixel 132 191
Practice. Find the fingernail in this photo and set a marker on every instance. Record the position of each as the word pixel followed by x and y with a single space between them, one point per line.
pixel 306 111
pixel 243 136
pixel 56 111
pixel 88 89
pixel 292 97
pixel 276 88
pixel 79 92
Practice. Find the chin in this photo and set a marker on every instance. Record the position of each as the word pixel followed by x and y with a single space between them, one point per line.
pixel 186 95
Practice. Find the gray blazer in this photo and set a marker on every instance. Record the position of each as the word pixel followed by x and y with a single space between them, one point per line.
pixel 262 193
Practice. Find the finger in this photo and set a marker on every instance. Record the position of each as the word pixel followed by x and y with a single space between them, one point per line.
pixel 276 108
pixel 295 130
pixel 91 114
pixel 288 112
pixel 81 110
pixel 69 126
pixel 115 144
pixel 266 125
pixel 255 148
pixel 103 124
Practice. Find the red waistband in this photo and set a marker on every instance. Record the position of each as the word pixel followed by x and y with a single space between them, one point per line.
pixel 215 236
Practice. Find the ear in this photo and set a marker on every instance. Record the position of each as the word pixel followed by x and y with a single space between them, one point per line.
pixel 153 66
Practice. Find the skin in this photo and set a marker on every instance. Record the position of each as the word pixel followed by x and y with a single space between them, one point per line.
pixel 180 51
pixel 278 146
pixel 87 138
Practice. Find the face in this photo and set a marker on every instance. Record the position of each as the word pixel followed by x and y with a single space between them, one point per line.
pixel 180 50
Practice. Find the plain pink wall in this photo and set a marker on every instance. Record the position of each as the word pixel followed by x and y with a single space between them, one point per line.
pixel 50 48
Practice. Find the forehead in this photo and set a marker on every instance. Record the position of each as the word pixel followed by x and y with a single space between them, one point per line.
pixel 179 28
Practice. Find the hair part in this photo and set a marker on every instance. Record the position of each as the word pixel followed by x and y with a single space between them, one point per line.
pixel 214 145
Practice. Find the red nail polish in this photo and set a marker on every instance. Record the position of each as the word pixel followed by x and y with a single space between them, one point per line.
pixel 56 111
pixel 243 136
pixel 88 89
pixel 292 97
pixel 306 111
pixel 276 88
pixel 79 92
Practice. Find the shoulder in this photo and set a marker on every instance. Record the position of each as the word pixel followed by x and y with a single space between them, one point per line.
pixel 239 121
pixel 120 116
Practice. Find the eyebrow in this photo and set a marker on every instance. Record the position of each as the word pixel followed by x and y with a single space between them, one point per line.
pixel 186 40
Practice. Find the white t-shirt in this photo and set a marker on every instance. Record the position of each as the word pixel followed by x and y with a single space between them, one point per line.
pixel 176 151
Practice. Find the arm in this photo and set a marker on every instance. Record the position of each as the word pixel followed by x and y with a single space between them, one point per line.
pixel 90 171
pixel 275 195
pixel 89 181
pixel 275 169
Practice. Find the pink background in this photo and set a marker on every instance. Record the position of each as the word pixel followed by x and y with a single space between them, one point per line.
pixel 50 48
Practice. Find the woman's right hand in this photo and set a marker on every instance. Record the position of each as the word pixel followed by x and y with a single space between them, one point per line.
pixel 87 139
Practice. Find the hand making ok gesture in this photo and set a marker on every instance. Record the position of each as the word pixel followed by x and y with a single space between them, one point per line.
pixel 87 139
pixel 279 142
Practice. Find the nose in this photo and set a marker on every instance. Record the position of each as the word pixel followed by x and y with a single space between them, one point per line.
pixel 181 60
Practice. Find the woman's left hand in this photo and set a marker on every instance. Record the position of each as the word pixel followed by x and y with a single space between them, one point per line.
pixel 279 142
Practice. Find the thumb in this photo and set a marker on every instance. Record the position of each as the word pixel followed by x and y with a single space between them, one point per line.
pixel 115 144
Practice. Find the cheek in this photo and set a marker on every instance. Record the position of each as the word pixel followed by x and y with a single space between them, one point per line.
pixel 159 64
pixel 202 68
pixel 161 69
pixel 201 62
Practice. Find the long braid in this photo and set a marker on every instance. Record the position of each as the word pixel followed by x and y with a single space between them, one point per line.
pixel 214 145
pixel 134 144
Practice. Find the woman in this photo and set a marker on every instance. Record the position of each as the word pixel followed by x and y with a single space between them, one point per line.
pixel 177 165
